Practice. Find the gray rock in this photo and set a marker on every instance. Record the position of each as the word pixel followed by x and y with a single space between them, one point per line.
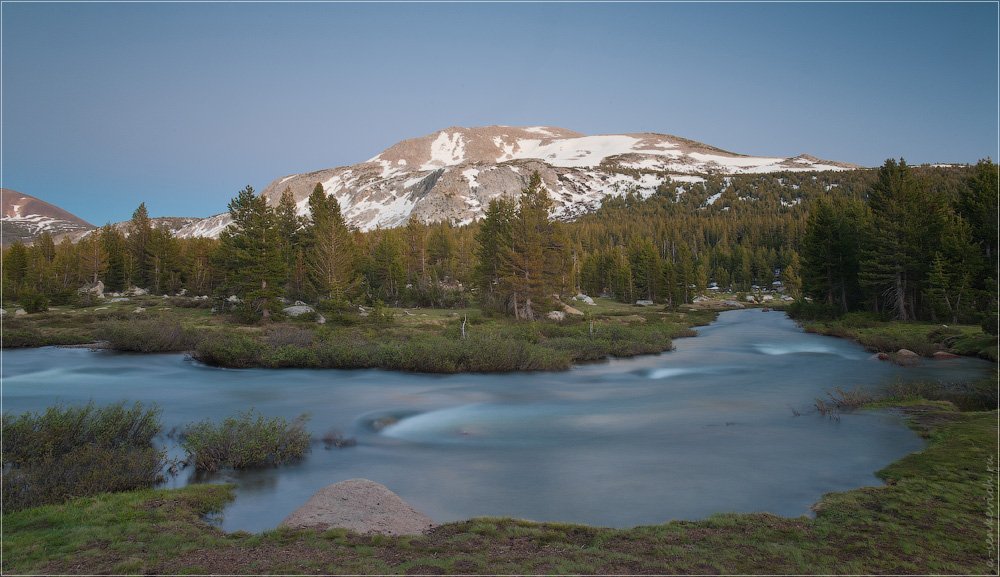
pixel 585 299
pixel 297 310
pixel 644 303
pixel 734 304
pixel 944 355
pixel 118 300
pixel 556 316
pixel 3 312
pixel 359 505
pixel 96 289
pixel 906 353
pixel 136 292
pixel 20 313
pixel 234 299
pixel 139 310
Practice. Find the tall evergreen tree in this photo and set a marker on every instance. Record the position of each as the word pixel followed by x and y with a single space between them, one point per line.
pixel 494 240
pixel 249 255
pixel 139 231
pixel 907 221
pixel 330 251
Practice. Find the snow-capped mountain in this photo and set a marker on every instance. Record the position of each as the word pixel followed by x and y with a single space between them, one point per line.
pixel 453 174
pixel 25 218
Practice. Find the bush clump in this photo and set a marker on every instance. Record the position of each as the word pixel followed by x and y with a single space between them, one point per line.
pixel 33 301
pixel 245 441
pixel 233 350
pixel 69 452
pixel 146 335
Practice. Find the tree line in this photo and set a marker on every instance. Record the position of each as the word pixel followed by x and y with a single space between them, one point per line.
pixel 911 242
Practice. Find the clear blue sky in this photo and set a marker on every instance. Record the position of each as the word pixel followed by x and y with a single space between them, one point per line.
pixel 181 105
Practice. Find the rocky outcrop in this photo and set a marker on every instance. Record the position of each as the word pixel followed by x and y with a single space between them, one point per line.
pixel 359 505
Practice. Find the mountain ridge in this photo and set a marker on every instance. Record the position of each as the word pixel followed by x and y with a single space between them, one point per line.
pixel 452 174
pixel 24 217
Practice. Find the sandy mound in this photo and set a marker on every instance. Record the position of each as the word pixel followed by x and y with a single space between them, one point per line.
pixel 360 505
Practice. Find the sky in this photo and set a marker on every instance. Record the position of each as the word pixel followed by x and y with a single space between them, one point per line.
pixel 180 105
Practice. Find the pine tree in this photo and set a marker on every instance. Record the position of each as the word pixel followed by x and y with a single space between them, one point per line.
pixel 139 230
pixel 114 245
pixel 907 223
pixel 330 251
pixel 249 256
pixel 524 277
pixel 93 256
pixel 15 269
pixel 494 241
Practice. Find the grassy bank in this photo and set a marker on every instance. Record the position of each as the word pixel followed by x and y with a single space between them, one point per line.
pixel 936 514
pixel 922 338
pixel 419 340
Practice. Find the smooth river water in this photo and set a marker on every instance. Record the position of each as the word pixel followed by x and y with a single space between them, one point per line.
pixel 707 428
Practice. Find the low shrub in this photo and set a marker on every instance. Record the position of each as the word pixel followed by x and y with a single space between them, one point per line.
pixel 812 311
pixel 290 356
pixel 88 470
pixel 230 349
pixel 978 395
pixel 33 301
pixel 69 452
pixel 190 303
pixel 245 441
pixel 146 335
pixel 943 335
pixel 281 335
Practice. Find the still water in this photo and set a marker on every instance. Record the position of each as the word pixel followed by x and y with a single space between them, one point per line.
pixel 723 423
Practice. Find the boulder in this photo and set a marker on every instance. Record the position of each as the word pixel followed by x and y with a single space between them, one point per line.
pixel 881 356
pixel 136 292
pixel 643 303
pixel 3 313
pixel 96 289
pixel 294 311
pixel 20 313
pixel 234 299
pixel 359 505
pixel 944 355
pixel 734 304
pixel 751 299
pixel 571 310
pixel 118 300
pixel 585 299
pixel 556 316
pixel 906 353
pixel 139 310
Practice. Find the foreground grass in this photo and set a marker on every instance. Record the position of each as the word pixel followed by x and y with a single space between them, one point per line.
pixel 934 515
pixel 922 338
pixel 419 340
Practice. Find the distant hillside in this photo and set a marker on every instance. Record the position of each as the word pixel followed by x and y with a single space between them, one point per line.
pixel 25 218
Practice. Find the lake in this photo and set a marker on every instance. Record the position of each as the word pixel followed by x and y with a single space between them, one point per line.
pixel 725 423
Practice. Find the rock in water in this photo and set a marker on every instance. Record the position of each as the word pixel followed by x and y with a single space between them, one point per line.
pixel 359 505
